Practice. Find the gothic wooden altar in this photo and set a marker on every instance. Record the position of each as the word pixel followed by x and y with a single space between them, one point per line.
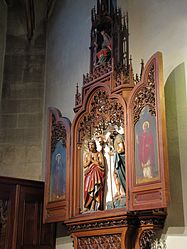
pixel 117 169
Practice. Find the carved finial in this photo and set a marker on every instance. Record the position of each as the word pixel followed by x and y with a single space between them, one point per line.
pixel 130 71
pixel 137 79
pixel 130 61
pixel 142 68
pixel 77 96
pixel 124 23
pixel 127 20
pixel 130 65
pixel 77 87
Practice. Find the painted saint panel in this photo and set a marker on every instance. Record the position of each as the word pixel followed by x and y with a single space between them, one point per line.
pixel 146 148
pixel 56 201
pixel 58 172
pixel 57 183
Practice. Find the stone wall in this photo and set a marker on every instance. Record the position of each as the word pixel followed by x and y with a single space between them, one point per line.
pixel 22 100
pixel 3 19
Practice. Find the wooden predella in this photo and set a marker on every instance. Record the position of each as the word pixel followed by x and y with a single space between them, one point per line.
pixel 107 174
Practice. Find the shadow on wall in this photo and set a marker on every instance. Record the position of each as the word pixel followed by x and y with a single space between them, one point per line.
pixel 176 111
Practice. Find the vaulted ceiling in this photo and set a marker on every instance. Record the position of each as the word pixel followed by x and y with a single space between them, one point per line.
pixel 31 11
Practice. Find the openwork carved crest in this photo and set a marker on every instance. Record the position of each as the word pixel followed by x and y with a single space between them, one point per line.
pixel 99 72
pixel 104 113
pixel 121 79
pixel 112 241
pixel 58 133
pixel 146 96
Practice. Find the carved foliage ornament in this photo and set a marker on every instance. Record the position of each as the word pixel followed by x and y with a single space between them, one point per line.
pixel 103 224
pixel 103 114
pixel 3 213
pixel 58 133
pixel 147 238
pixel 145 96
pixel 112 241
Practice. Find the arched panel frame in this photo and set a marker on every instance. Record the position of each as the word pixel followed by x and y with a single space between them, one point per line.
pixel 75 190
pixel 152 192
pixel 56 205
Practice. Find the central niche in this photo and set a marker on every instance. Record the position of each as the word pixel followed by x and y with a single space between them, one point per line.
pixel 101 140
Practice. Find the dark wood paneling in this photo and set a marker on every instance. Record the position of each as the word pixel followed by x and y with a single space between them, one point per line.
pixel 24 228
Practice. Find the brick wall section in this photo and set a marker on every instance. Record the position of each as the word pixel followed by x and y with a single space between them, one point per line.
pixel 22 107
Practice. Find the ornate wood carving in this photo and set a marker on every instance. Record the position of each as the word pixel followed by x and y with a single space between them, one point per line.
pixel 3 222
pixel 77 96
pixel 111 98
pixel 147 238
pixel 112 241
pixel 149 183
pixel 146 95
pixel 58 133
pixel 107 17
pixel 3 213
pixel 101 224
pixel 98 73
pixel 103 113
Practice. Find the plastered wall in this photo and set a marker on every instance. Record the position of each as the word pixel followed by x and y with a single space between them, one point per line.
pixel 154 26
pixel 161 25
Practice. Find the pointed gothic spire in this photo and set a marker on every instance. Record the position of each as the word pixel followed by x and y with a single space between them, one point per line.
pixel 142 68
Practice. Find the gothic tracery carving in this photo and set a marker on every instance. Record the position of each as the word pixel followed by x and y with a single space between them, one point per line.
pixel 58 133
pixel 146 96
pixel 104 112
